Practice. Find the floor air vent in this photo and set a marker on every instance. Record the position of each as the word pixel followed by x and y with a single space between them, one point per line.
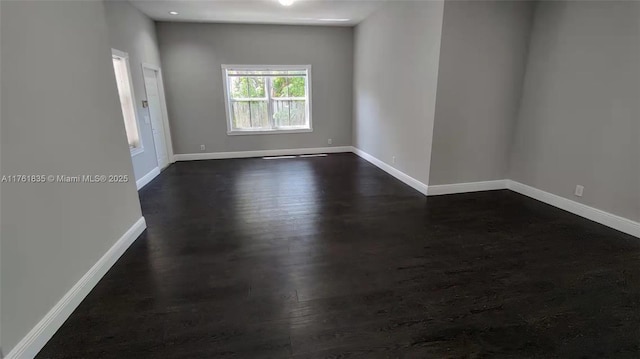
pixel 302 156
pixel 316 155
pixel 277 157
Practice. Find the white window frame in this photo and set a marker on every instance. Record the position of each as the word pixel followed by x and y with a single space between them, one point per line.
pixel 227 98
pixel 125 57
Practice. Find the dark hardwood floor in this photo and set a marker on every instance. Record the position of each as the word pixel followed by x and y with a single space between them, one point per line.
pixel 330 257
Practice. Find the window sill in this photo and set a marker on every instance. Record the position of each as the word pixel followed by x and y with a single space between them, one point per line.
pixel 136 151
pixel 268 132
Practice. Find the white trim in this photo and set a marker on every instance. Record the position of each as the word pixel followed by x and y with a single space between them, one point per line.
pixel 412 182
pixel 268 132
pixel 608 219
pixel 31 344
pixel 263 153
pixel 147 178
pixel 136 151
pixel 119 53
pixel 466 187
pixel 163 102
pixel 227 98
pixel 266 67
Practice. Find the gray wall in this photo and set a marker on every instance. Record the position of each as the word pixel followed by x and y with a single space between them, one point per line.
pixel 482 64
pixel 134 33
pixel 60 115
pixel 191 58
pixel 396 69
pixel 579 119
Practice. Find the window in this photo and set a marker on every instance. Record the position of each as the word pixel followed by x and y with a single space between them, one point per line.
pixel 267 99
pixel 123 80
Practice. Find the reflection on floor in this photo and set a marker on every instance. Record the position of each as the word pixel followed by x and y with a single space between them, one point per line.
pixel 331 257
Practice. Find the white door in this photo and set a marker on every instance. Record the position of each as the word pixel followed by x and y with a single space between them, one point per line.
pixel 155 115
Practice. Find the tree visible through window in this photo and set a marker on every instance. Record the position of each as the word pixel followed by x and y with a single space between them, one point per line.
pixel 267 99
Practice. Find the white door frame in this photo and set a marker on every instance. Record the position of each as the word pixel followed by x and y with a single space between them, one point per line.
pixel 163 105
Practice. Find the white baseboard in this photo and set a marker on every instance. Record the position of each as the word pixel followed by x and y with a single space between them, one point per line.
pixel 616 222
pixel 33 342
pixel 147 178
pixel 610 220
pixel 264 153
pixel 466 187
pixel 605 218
pixel 410 181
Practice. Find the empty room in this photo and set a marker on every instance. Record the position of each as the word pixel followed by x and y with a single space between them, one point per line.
pixel 319 179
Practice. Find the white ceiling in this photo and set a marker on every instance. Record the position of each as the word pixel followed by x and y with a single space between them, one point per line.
pixel 304 12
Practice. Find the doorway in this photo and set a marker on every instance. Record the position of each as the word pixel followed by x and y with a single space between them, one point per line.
pixel 158 114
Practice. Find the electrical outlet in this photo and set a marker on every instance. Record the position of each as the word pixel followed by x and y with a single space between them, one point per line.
pixel 579 190
pixel 202 148
pixel 329 141
pixel 393 160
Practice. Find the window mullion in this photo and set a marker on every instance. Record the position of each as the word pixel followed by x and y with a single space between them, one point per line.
pixel 289 96
pixel 269 102
pixel 249 95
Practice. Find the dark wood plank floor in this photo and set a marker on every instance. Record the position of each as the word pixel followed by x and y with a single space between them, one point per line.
pixel 333 258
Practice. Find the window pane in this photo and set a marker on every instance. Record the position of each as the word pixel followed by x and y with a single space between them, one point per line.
pixel 250 115
pixel 279 87
pixel 239 87
pixel 256 87
pixel 241 116
pixel 296 87
pixel 287 113
pixel 281 112
pixel 247 87
pixel 126 101
pixel 288 86
pixel 298 113
pixel 260 115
